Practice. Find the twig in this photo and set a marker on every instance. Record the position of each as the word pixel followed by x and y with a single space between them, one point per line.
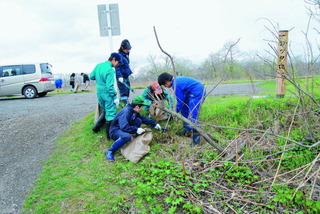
pixel 280 162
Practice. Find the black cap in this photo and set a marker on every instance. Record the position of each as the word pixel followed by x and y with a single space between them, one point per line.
pixel 162 78
pixel 126 44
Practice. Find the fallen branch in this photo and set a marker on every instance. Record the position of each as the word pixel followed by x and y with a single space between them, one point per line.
pixel 197 128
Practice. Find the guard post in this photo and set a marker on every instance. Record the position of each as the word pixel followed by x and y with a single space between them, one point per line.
pixel 282 63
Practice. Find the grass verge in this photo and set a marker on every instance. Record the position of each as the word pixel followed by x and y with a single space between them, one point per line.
pixel 176 178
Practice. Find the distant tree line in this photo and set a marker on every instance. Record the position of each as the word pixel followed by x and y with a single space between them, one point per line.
pixel 232 67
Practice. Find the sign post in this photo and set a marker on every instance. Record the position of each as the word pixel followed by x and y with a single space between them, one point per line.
pixel 109 25
pixel 109 22
pixel 282 63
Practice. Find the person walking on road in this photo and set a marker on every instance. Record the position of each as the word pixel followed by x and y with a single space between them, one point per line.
pixel 190 93
pixel 127 122
pixel 104 74
pixel 123 71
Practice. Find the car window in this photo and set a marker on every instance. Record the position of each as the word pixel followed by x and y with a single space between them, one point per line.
pixel 45 68
pixel 1 73
pixel 11 70
pixel 29 69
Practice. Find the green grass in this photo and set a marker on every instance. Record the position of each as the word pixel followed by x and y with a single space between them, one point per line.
pixel 173 177
pixel 311 87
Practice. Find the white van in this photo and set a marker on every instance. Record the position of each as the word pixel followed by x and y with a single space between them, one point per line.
pixel 30 80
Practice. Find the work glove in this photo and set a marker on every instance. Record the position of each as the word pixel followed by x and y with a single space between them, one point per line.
pixel 140 130
pixel 157 126
pixel 120 79
pixel 116 101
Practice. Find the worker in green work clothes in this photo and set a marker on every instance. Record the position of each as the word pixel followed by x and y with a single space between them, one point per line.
pixel 104 75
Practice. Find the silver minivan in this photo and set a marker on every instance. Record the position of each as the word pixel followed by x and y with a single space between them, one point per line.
pixel 30 80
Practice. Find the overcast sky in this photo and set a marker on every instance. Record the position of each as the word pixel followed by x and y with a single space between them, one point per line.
pixel 65 33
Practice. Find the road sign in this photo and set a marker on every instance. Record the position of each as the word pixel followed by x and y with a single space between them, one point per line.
pixel 109 22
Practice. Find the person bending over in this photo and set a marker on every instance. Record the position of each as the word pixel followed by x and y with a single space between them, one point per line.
pixel 190 93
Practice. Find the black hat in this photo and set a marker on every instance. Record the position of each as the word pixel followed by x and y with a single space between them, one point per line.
pixel 126 44
pixel 162 78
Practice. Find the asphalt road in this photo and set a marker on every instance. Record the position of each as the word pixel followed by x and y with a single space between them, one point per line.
pixel 29 128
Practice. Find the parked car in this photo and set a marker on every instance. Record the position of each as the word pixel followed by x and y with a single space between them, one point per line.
pixel 30 80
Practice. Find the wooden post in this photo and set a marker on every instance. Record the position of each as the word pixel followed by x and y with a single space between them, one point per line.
pixel 282 63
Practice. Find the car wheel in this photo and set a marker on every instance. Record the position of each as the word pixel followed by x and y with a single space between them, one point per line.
pixel 42 94
pixel 30 92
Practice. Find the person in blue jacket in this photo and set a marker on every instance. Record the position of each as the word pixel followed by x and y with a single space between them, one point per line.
pixel 58 84
pixel 104 74
pixel 123 71
pixel 190 93
pixel 127 122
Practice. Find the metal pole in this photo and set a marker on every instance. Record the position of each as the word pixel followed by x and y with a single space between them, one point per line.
pixel 109 29
pixel 115 84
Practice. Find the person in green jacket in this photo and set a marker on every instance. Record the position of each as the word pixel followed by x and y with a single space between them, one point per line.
pixel 155 91
pixel 104 75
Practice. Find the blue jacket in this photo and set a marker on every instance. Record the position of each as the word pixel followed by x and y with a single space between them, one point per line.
pixel 124 120
pixel 187 89
pixel 123 69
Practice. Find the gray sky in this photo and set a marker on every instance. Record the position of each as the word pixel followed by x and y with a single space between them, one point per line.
pixel 66 32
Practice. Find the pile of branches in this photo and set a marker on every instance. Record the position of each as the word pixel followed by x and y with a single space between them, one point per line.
pixel 231 186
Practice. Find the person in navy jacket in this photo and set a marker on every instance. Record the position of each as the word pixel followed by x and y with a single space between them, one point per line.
pixel 190 93
pixel 128 122
pixel 123 71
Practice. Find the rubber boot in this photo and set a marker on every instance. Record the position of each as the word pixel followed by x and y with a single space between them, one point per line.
pixel 124 100
pixel 195 140
pixel 185 132
pixel 101 120
pixel 108 124
pixel 115 146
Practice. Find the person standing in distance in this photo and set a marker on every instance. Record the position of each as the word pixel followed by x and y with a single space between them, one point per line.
pixel 72 81
pixel 190 93
pixel 103 74
pixel 123 71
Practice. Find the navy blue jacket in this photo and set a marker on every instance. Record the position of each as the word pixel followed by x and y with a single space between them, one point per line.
pixel 124 120
pixel 123 69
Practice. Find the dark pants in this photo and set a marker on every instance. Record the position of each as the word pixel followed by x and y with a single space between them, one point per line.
pixel 116 134
pixel 123 89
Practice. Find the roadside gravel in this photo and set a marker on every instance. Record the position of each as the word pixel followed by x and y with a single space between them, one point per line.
pixel 28 129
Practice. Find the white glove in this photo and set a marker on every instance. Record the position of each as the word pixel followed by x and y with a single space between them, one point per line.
pixel 116 101
pixel 121 79
pixel 140 130
pixel 157 126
